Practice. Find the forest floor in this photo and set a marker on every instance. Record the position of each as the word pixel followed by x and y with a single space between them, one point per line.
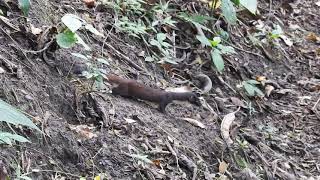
pixel 90 133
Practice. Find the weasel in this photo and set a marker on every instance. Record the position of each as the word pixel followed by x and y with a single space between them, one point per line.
pixel 134 89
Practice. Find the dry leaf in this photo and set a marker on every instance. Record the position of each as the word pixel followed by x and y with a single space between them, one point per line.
pixel 83 130
pixel 89 3
pixel 34 30
pixel 261 78
pixel 223 166
pixel 129 121
pixel 315 88
pixel 194 122
pixel 225 126
pixel 313 37
pixel 157 162
pixel 236 101
pixel 268 89
pixel 286 40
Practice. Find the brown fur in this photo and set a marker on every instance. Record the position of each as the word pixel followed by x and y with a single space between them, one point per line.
pixel 134 89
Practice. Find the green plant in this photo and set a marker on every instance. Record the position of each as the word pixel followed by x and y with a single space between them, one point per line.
pixel 69 37
pixel 135 29
pixel 217 50
pixel 12 116
pixel 94 71
pixel 196 20
pixel 25 5
pixel 251 88
pixel 229 12
pixel 129 7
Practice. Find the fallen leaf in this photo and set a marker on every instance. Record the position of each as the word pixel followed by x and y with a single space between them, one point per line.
pixel 89 3
pixel 157 162
pixel 286 40
pixel 225 126
pixel 83 130
pixel 268 89
pixel 194 122
pixel 318 3
pixel 35 30
pixel 143 158
pixel 236 101
pixel 223 166
pixel 313 37
pixel 315 88
pixel 294 27
pixel 129 121
pixel 261 78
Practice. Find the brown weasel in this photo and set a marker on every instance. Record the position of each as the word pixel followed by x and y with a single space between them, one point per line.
pixel 134 89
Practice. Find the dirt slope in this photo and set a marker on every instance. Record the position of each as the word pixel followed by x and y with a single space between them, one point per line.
pixel 279 139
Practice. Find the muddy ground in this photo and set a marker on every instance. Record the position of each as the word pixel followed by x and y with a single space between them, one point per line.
pixel 276 137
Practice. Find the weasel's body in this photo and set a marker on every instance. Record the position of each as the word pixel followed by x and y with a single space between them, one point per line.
pixel 134 89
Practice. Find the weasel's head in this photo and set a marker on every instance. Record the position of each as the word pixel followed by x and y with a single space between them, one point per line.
pixel 194 99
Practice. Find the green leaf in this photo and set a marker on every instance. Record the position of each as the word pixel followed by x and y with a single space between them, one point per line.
pixel 236 2
pixel 1 12
pixel 204 40
pixel 24 177
pixel 66 39
pixel 226 49
pixel 73 22
pixel 276 32
pixel 93 30
pixel 80 41
pixel 80 56
pixel 161 37
pixel 251 89
pixel 251 5
pixel 11 115
pixel 217 60
pixel 103 61
pixel 215 41
pixel 165 44
pixel 228 11
pixel 253 81
pixel 25 5
pixel 168 20
pixel 6 138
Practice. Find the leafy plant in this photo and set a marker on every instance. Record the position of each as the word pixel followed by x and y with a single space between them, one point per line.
pixel 164 48
pixel 228 9
pixel 132 28
pixel 93 72
pixel 217 50
pixel 25 6
pixel 12 116
pixel 131 7
pixel 276 33
pixel 197 20
pixel 69 37
pixel 251 88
